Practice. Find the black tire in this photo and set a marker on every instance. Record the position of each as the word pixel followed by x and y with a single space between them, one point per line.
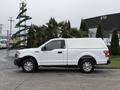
pixel 87 66
pixel 29 65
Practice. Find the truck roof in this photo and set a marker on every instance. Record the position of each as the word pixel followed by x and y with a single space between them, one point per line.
pixel 84 42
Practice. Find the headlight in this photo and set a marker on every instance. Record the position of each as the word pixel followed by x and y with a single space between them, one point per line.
pixel 17 52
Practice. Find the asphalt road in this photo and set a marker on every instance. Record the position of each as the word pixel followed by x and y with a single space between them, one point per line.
pixel 12 78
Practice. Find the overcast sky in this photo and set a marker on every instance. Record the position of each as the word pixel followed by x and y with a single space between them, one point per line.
pixel 42 10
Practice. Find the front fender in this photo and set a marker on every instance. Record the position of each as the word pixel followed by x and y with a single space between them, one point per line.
pixel 28 54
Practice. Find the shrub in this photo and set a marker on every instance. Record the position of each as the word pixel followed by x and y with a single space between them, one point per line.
pixel 115 49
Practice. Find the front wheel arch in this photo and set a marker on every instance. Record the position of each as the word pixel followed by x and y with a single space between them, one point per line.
pixel 28 57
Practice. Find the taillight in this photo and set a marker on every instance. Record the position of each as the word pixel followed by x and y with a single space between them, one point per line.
pixel 106 52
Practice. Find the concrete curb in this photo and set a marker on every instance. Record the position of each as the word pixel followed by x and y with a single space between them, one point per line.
pixel 102 67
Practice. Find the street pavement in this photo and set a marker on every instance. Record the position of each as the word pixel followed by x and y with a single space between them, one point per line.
pixel 12 78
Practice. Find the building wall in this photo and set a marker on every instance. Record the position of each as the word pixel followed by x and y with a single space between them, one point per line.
pixel 109 22
pixel 107 40
pixel 92 32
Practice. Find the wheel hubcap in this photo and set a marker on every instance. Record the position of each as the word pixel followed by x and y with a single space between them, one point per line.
pixel 28 66
pixel 87 66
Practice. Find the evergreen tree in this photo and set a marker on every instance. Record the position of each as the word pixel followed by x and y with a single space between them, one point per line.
pixel 114 43
pixel 84 29
pixel 99 33
pixel 22 32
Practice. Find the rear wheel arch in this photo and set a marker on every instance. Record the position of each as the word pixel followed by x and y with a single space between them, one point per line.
pixel 89 57
pixel 86 64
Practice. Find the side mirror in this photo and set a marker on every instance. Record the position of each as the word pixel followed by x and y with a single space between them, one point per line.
pixel 44 48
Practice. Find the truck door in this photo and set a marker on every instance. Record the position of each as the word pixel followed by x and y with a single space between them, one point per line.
pixel 54 53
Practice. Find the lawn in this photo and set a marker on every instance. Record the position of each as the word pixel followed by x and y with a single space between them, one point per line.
pixel 115 62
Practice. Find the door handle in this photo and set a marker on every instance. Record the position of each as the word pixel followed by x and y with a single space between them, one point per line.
pixel 59 52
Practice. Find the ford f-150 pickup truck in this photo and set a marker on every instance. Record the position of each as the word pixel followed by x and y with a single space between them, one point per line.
pixel 84 53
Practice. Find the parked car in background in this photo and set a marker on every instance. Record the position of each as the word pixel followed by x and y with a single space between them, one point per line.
pixel 3 43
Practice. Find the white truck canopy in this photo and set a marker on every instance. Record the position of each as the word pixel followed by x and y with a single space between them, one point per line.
pixel 85 43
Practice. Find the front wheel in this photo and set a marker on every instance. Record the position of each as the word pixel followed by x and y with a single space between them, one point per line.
pixel 87 66
pixel 29 65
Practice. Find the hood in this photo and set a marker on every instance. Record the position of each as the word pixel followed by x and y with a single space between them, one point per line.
pixel 28 50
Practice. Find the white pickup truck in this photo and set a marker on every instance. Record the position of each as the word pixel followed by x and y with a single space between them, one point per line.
pixel 81 52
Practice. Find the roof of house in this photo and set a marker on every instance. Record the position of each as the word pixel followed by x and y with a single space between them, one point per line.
pixel 109 21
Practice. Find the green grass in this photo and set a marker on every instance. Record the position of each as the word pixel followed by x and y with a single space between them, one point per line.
pixel 115 62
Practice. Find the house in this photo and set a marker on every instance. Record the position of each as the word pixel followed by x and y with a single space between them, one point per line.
pixel 109 22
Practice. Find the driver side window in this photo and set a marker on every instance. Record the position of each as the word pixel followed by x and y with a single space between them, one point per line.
pixel 57 44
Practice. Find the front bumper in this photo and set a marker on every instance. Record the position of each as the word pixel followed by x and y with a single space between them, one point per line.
pixel 17 62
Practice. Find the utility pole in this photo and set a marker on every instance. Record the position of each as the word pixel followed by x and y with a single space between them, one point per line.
pixel 8 43
pixel 1 28
pixel 9 34
pixel 11 21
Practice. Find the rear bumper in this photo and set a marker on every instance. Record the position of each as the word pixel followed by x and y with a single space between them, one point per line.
pixel 104 63
pixel 108 61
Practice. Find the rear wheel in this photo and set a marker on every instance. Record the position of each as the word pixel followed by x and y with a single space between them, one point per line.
pixel 29 65
pixel 87 66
